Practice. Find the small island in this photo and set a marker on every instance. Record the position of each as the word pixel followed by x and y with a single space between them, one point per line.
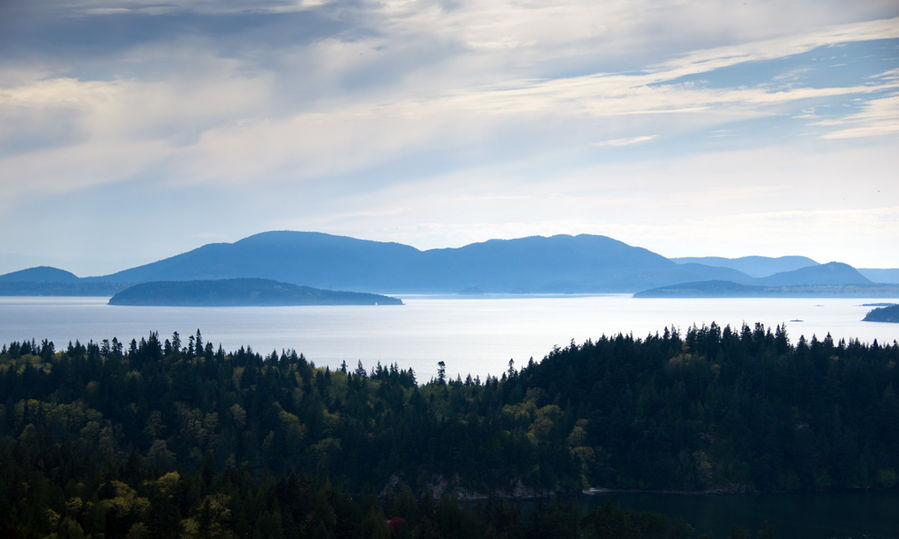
pixel 240 293
pixel 883 314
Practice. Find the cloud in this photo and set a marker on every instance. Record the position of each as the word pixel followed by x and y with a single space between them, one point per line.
pixel 625 141
pixel 312 101
pixel 705 60
pixel 222 129
pixel 155 7
pixel 878 117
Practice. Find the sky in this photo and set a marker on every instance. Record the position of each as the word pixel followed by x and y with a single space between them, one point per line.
pixel 133 130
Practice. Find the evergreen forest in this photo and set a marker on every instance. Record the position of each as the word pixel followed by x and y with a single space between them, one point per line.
pixel 178 438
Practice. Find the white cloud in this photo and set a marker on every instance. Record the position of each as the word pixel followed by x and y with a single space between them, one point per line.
pixel 878 117
pixel 625 141
pixel 702 61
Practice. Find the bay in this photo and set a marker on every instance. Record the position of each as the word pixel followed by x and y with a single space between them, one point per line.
pixel 472 335
pixel 824 515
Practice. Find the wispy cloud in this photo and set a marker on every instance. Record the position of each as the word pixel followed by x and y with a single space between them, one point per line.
pixel 878 117
pixel 629 141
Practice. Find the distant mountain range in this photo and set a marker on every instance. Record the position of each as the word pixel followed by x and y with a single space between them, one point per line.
pixel 754 266
pixel 557 264
pixel 763 266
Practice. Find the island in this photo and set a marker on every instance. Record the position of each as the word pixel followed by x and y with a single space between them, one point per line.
pixel 729 289
pixel 240 292
pixel 883 314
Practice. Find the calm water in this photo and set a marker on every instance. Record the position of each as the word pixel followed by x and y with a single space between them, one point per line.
pixel 839 515
pixel 476 336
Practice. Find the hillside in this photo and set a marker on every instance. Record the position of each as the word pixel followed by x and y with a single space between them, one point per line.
pixel 832 273
pixel 887 275
pixel 240 292
pixel 754 266
pixel 39 274
pixel 302 258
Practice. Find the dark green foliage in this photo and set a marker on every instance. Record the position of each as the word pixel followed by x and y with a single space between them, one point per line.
pixel 162 438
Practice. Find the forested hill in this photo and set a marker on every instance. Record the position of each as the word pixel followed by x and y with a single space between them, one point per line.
pixel 888 313
pixel 174 436
pixel 241 292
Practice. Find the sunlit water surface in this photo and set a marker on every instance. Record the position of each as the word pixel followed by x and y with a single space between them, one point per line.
pixel 472 335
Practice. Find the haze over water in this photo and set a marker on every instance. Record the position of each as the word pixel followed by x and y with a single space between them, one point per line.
pixel 472 335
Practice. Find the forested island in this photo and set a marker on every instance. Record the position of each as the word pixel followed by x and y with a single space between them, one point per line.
pixel 888 313
pixel 167 437
pixel 240 292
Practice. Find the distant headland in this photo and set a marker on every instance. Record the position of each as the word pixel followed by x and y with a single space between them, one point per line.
pixel 889 313
pixel 240 292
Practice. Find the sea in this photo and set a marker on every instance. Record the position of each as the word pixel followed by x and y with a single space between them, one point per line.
pixel 479 335
pixel 475 335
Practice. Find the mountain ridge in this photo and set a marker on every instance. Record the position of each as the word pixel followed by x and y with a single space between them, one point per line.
pixel 41 274
pixel 561 263
pixel 832 273
pixel 753 265
pixel 534 264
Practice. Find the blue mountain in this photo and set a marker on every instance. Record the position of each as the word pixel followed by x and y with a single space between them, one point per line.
pixel 537 264
pixel 754 266
pixel 39 274
pixel 832 273
pixel 887 275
